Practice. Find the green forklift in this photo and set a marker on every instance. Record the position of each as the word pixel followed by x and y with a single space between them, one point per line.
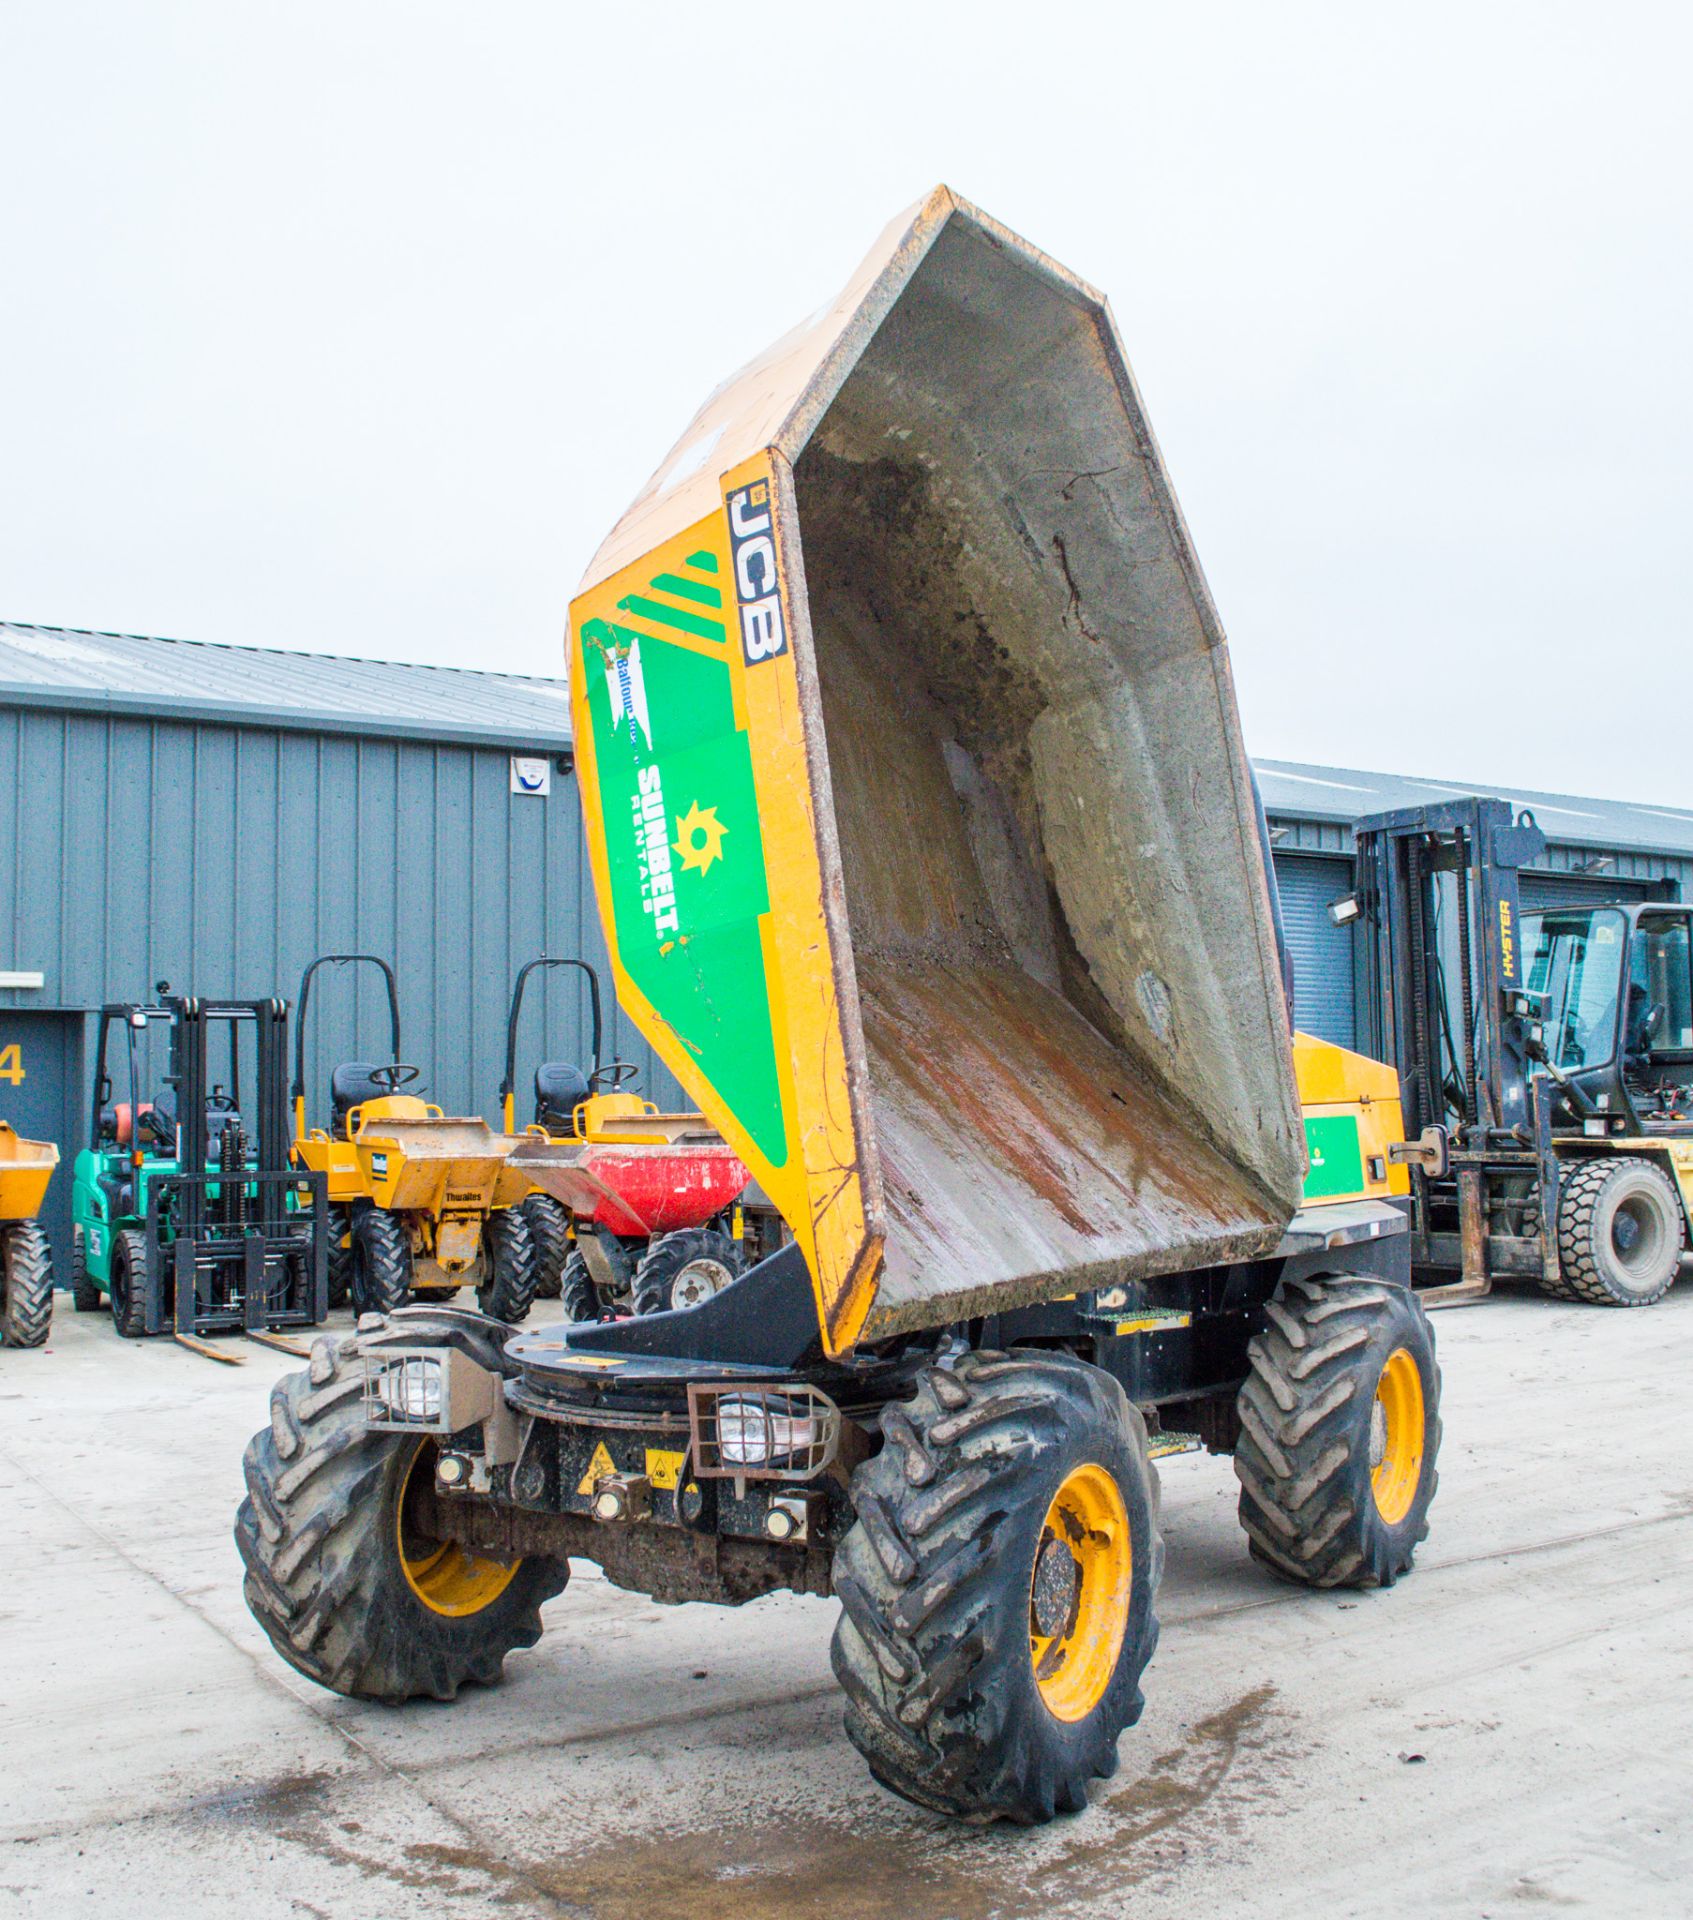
pixel 187 1217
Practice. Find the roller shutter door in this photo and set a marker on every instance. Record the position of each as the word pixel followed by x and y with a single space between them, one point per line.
pixel 1542 890
pixel 1322 952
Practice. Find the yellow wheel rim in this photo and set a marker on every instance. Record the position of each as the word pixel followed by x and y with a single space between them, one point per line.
pixel 1396 1436
pixel 1079 1593
pixel 446 1577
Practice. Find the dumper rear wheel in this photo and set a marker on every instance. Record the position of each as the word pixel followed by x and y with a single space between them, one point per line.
pixel 997 1587
pixel 381 1276
pixel 684 1268
pixel 343 1572
pixel 549 1232
pixel 1340 1431
pixel 577 1292
pixel 26 1269
pixel 338 1225
pixel 509 1257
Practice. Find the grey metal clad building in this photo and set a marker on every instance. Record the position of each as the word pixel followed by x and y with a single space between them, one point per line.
pixel 1597 850
pixel 214 816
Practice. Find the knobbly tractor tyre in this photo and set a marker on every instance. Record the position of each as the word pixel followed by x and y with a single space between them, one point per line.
pixel 26 1285
pixel 380 1281
pixel 1619 1233
pixel 1340 1432
pixel 338 1226
pixel 683 1268
pixel 352 1589
pixel 549 1233
pixel 997 1587
pixel 86 1296
pixel 508 1261
pixel 129 1283
pixel 577 1293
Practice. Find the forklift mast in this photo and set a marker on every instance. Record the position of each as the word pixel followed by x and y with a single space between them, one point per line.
pixel 1444 972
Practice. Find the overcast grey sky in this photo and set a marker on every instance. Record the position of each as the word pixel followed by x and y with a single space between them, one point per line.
pixel 354 327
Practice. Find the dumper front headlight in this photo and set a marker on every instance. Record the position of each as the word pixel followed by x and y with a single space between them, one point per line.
pixel 405 1392
pixel 757 1429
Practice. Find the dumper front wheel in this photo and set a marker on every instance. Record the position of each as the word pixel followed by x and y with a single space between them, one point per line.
pixel 997 1587
pixel 1340 1431
pixel 684 1269
pixel 549 1233
pixel 344 1571
pixel 381 1276
pixel 509 1260
pixel 26 1274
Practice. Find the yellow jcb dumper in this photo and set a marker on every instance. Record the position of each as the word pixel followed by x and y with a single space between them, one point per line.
pixel 927 856
pixel 413 1201
pixel 26 1259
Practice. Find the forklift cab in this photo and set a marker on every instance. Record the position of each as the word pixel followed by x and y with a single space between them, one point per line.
pixel 1615 985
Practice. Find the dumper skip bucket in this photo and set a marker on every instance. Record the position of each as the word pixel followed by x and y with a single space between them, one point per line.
pixel 915 798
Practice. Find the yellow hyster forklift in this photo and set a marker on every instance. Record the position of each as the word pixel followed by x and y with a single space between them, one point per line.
pixel 413 1207
pixel 927 856
pixel 26 1259
pixel 1553 1051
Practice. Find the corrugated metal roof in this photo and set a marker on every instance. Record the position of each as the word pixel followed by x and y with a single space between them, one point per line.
pixel 1293 790
pixel 324 693
pixel 258 686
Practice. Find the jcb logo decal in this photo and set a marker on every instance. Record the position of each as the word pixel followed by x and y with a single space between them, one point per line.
pixel 752 539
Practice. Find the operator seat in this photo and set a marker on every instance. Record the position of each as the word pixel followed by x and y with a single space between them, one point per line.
pixel 560 1088
pixel 350 1085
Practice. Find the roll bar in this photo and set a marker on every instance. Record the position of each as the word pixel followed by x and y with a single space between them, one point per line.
pixel 298 1091
pixel 508 1086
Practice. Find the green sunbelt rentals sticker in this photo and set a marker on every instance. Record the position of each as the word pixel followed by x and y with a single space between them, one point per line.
pixel 685 857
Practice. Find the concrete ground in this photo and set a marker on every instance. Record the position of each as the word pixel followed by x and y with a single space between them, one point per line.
pixel 1505 1732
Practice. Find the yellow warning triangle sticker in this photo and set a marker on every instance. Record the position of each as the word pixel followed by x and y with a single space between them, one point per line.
pixel 602 1462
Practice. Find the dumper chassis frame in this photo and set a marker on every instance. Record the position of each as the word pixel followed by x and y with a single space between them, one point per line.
pixel 584 1404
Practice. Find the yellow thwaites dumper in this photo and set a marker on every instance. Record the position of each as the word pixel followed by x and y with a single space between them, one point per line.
pixel 928 860
pixel 26 1259
pixel 414 1200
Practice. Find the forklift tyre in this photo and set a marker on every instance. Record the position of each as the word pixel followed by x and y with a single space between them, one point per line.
pixel 129 1283
pixel 997 1587
pixel 26 1270
pixel 1340 1431
pixel 338 1225
pixel 351 1589
pixel 684 1268
pixel 549 1233
pixel 1619 1233
pixel 576 1290
pixel 381 1276
pixel 86 1296
pixel 508 1257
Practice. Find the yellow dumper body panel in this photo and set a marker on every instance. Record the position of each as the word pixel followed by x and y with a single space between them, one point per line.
pixel 26 1169
pixel 916 804
pixel 1350 1105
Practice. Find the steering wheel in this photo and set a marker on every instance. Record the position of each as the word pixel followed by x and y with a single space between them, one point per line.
pixel 217 1101
pixel 611 1076
pixel 394 1077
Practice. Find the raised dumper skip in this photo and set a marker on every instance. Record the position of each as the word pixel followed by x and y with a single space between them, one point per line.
pixel 958 930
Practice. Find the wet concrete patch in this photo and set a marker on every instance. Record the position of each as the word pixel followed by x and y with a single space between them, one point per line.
pixel 871 1860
